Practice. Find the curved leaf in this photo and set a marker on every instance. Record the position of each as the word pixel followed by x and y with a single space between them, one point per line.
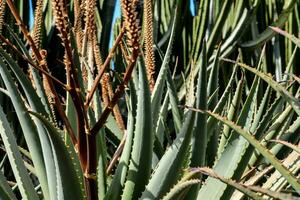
pixel 265 152
pixel 230 182
pixel 292 146
pixel 269 33
pixel 115 189
pixel 36 105
pixel 157 93
pixel 6 192
pixel 170 165
pixel 29 129
pixel 141 156
pixel 68 183
pixel 22 177
pixel 293 101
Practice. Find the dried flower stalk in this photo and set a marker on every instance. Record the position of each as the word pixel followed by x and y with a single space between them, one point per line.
pixel 132 32
pixel 104 86
pixel 89 36
pixel 61 18
pixel 131 23
pixel 2 12
pixel 86 144
pixel 107 94
pixel 102 69
pixel 37 38
pixel 148 34
pixel 78 14
pixel 97 53
pixel 49 92
pixel 38 20
pixel 46 84
pixel 90 19
pixel 116 109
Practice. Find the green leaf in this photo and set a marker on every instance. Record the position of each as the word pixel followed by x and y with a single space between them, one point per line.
pixel 230 182
pixel 236 144
pixel 289 134
pixel 112 125
pixel 286 34
pixel 174 102
pixel 231 42
pixel 231 115
pixel 102 155
pixel 170 166
pixel 269 33
pixel 29 129
pixel 16 162
pixel 161 129
pixel 259 147
pixel 68 183
pixel 179 188
pixel 231 163
pixel 36 76
pixel 157 93
pixel 276 182
pixel 115 189
pixel 36 105
pixel 6 192
pixel 199 138
pixel 213 80
pixel 141 156
pixel 292 146
pixel 107 10
pixel 200 22
pixel 212 122
pixel 200 131
pixel 294 102
pixel 218 25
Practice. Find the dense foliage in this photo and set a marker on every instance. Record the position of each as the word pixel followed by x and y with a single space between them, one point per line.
pixel 170 101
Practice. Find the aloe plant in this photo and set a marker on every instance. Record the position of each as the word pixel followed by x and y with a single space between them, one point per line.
pixel 174 100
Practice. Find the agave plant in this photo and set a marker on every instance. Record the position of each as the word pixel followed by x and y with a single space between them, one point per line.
pixel 182 104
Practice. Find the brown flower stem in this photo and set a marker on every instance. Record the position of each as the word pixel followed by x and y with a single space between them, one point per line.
pixel 116 154
pixel 8 43
pixel 116 111
pixel 24 29
pixel 103 68
pixel 90 184
pixel 91 168
pixel 60 13
pixel 118 93
pixel 107 93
